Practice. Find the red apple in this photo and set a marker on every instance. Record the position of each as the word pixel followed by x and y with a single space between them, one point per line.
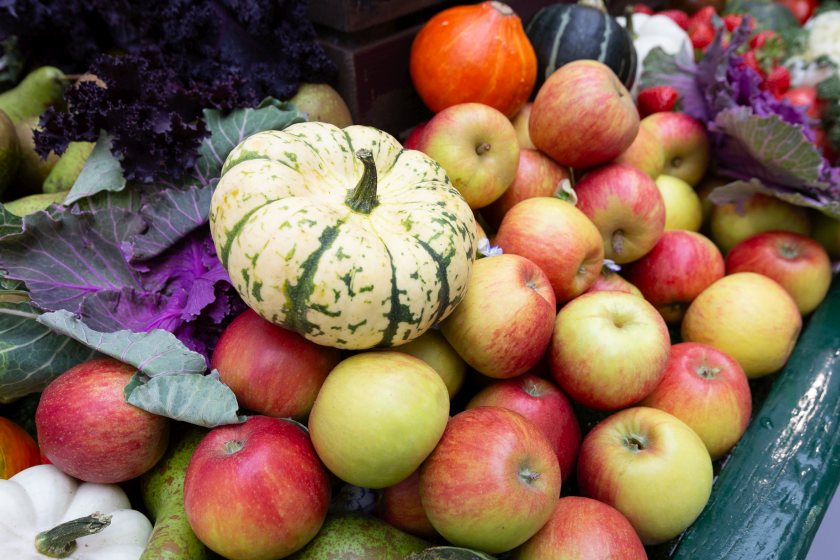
pixel 559 238
pixel 707 389
pixel 651 467
pixel 679 267
pixel 798 263
pixel 583 529
pixel 536 175
pixel 731 223
pixel 541 402
pixel 520 123
pixel 412 141
pixel 491 482
pixel 583 115
pixel 256 490
pixel 400 506
pixel 271 370
pixel 685 142
pixel 503 325
pixel 86 429
pixel 626 207
pixel 609 281
pixel 477 147
pixel 646 153
pixel 609 349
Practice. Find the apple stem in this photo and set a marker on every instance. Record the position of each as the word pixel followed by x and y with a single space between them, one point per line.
pixel 363 198
pixel 618 241
pixel 635 443
pixel 60 541
pixel 707 372
pixel 482 148
pixel 788 251
pixel 529 475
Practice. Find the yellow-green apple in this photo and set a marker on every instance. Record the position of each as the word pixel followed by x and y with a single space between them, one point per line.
pixel 559 238
pixel 520 123
pixel 608 349
pixel 412 140
pixel 683 209
pixel 626 207
pixel 432 348
pixel 477 147
pixel 583 529
pixel 491 482
pixel 610 281
pixel 827 233
pixel 707 389
pixel 536 175
pixel 503 325
pixel 645 153
pixel 583 115
pixel 798 263
pixel 675 271
pixel 544 404
pixel 378 416
pixel 322 103
pixel 685 142
pixel 400 506
pixel 87 429
pixel 748 316
pixel 244 481
pixel 731 223
pixel 704 189
pixel 639 450
pixel 271 370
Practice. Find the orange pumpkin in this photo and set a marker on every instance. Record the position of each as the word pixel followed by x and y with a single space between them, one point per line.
pixel 475 53
pixel 18 450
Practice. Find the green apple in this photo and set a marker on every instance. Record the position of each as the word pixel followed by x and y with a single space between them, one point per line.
pixel 748 316
pixel 683 209
pixel 432 348
pixel 730 224
pixel 827 232
pixel 377 416
pixel 322 103
pixel 651 467
pixel 646 153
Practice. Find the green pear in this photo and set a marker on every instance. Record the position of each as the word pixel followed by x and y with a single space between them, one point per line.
pixel 352 536
pixel 68 167
pixel 9 151
pixel 40 89
pixel 32 170
pixel 323 104
pixel 162 489
pixel 34 202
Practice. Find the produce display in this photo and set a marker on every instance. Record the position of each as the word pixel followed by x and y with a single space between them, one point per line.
pixel 584 308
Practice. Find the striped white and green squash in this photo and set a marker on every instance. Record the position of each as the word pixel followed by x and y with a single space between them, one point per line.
pixel 342 235
pixel 562 33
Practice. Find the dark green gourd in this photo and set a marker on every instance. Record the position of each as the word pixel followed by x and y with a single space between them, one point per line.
pixel 561 33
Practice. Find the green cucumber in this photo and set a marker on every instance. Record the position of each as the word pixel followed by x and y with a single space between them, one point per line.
pixel 772 492
pixel 163 493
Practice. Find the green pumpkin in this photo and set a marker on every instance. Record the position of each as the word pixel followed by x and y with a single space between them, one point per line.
pixel 342 235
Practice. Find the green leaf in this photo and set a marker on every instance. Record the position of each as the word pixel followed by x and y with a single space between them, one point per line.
pixel 197 399
pixel 227 131
pixel 154 353
pixel 101 172
pixel 738 191
pixel 10 224
pixel 32 355
pixel 449 553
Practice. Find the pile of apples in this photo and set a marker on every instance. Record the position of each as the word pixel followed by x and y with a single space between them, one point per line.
pixel 591 259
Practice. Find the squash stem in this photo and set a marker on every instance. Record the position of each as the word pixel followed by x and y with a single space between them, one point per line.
pixel 60 541
pixel 363 196
pixel 597 4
